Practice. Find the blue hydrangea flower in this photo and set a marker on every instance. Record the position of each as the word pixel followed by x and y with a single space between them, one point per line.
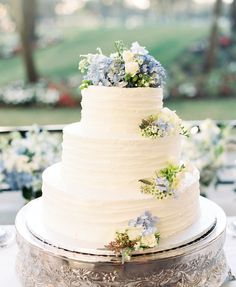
pixel 17 180
pixel 110 71
pixel 151 67
pixel 162 184
pixel 145 221
pixel 105 71
pixel 162 127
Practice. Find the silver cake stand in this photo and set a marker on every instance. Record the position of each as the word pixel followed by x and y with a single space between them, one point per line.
pixel 200 262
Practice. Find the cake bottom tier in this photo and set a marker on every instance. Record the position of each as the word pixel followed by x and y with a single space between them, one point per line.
pixel 95 219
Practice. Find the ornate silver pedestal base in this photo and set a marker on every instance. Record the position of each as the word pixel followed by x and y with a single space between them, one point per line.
pixel 201 263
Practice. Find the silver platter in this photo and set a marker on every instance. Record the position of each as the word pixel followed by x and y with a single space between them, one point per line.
pixel 204 224
pixel 200 263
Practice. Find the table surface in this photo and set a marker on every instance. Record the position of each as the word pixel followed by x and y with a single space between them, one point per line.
pixel 8 276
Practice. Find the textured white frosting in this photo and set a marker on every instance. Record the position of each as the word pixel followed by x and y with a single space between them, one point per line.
pixel 94 217
pixel 117 112
pixel 110 165
pixel 95 190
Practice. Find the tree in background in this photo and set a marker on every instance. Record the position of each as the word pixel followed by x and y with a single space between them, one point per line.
pixel 24 12
pixel 213 39
pixel 233 16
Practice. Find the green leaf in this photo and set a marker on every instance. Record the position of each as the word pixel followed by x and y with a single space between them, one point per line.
pixel 184 131
pixel 146 181
pixel 85 84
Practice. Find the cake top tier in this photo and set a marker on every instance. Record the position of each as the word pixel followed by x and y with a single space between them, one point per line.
pixel 122 95
pixel 117 111
pixel 126 68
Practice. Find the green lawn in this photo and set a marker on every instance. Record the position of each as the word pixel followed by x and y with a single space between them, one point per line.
pixel 165 42
pixel 219 109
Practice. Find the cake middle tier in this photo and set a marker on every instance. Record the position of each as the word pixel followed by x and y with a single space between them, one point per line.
pixel 114 165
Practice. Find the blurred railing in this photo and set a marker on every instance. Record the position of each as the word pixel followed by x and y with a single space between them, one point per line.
pixel 58 128
pixel 24 129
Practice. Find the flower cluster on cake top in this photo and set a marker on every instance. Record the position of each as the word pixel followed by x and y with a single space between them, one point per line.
pixel 141 233
pixel 166 182
pixel 126 68
pixel 164 123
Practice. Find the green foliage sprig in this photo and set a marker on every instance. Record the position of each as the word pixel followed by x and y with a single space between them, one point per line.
pixel 146 127
pixel 170 172
pixel 120 47
pixel 184 131
pixel 122 245
pixel 85 84
pixel 166 188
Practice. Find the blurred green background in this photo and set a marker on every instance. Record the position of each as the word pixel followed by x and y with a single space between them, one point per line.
pixel 41 40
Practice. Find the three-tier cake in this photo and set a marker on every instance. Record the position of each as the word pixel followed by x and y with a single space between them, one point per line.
pixel 121 176
pixel 122 190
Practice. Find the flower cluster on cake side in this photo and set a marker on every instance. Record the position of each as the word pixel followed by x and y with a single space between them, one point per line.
pixel 166 182
pixel 164 123
pixel 126 68
pixel 141 233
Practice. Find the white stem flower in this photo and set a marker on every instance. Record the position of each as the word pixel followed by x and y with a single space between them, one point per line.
pixel 137 49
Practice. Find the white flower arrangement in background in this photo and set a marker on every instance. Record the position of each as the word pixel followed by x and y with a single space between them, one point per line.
pixel 22 159
pixel 205 147
pixel 18 93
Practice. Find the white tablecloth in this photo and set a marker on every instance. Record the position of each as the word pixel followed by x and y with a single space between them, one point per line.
pixel 8 276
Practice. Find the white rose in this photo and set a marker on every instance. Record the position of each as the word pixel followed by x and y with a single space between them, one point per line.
pixel 170 116
pixel 134 233
pixel 131 68
pixel 149 241
pixel 165 115
pixel 128 56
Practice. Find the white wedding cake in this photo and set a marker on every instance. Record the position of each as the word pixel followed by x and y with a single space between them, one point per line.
pixel 121 176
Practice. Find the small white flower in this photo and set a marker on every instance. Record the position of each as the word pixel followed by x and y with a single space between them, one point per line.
pixel 128 56
pixel 131 68
pixel 137 49
pixel 114 55
pixel 149 241
pixel 134 232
